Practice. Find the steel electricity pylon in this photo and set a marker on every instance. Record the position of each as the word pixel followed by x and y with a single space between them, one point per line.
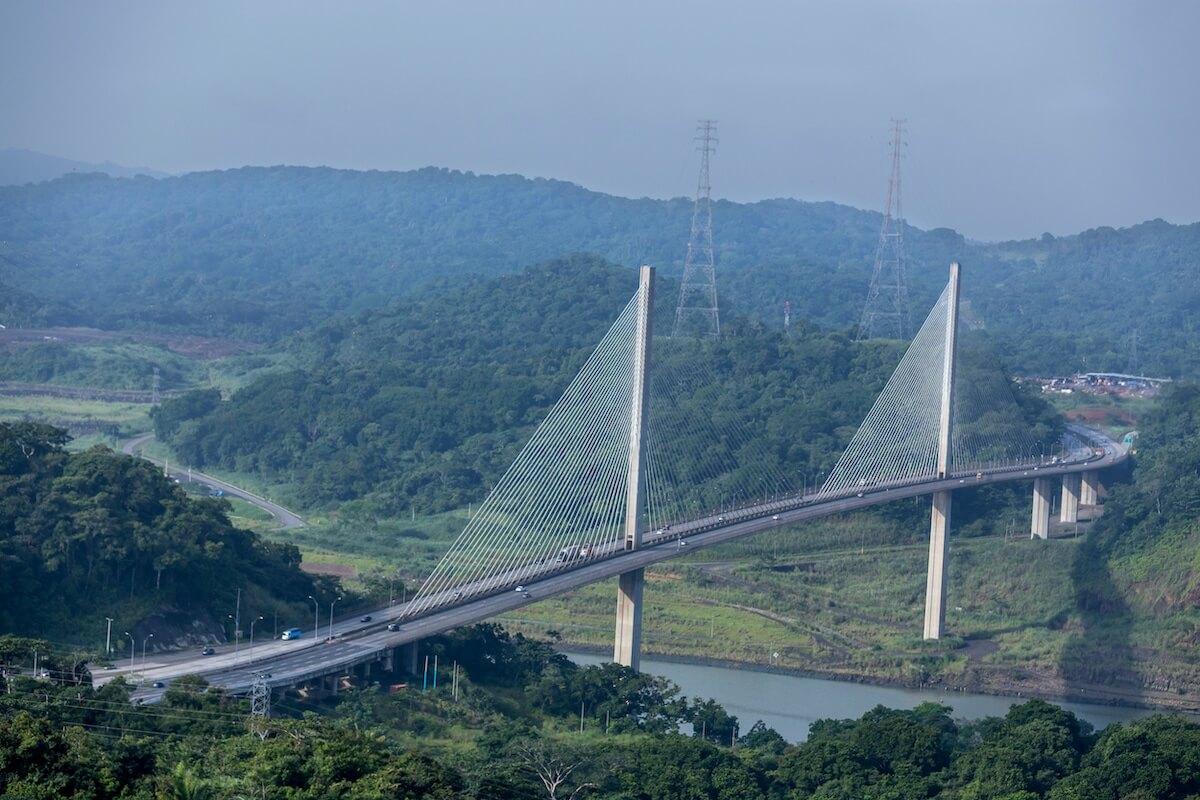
pixel 886 311
pixel 696 314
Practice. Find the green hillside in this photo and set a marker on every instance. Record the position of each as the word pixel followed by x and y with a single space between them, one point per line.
pixel 96 534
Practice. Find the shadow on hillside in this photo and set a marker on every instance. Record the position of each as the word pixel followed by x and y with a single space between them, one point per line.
pixel 1098 659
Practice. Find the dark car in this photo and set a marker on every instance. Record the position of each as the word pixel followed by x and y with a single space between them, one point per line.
pixel 208 651
pixel 159 685
pixel 365 618
pixel 393 626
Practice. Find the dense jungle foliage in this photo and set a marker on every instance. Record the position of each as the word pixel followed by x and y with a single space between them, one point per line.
pixel 424 404
pixel 1143 553
pixel 523 722
pixel 261 252
pixel 84 536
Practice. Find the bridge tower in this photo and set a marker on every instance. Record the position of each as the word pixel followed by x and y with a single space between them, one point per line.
pixel 696 314
pixel 939 527
pixel 886 310
pixel 627 643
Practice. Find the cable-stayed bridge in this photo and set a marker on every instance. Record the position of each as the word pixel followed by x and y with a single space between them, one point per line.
pixel 600 491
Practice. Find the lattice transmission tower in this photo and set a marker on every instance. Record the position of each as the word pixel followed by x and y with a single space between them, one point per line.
pixel 260 706
pixel 886 311
pixel 696 314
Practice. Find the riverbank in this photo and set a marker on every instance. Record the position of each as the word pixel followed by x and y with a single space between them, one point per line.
pixel 1040 687
pixel 790 703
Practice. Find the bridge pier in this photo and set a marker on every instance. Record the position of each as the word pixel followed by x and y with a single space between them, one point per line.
pixel 935 583
pixel 627 641
pixel 408 658
pixel 1070 498
pixel 1039 527
pixel 1089 493
pixel 627 648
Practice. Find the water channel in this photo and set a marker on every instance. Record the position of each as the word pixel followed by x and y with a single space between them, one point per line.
pixel 790 703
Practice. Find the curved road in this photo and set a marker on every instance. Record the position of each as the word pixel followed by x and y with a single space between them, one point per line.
pixel 349 642
pixel 286 518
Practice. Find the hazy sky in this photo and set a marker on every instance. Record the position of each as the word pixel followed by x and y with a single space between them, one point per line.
pixel 1023 116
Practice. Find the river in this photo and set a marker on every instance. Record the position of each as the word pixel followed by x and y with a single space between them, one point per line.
pixel 790 703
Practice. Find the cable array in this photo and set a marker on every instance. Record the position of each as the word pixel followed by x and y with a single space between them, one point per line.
pixel 563 499
pixel 898 439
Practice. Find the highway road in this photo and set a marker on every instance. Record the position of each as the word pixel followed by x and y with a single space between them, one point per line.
pixel 354 641
pixel 286 519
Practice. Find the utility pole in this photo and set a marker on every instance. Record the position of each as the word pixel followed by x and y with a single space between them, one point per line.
pixel 886 311
pixel 108 638
pixel 696 314
pixel 237 622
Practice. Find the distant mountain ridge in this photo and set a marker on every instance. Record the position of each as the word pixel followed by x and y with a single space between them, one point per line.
pixel 18 167
pixel 261 252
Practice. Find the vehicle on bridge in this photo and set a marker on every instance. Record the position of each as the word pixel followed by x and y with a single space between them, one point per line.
pixel 568 553
pixel 291 633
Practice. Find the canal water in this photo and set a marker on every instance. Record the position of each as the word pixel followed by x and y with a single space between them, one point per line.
pixel 790 703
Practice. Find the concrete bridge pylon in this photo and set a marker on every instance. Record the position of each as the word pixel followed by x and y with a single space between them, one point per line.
pixel 939 526
pixel 627 642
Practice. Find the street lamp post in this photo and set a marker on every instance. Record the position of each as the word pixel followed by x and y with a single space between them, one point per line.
pixel 144 642
pixel 108 638
pixel 132 644
pixel 252 622
pixel 316 617
pixel 237 623
pixel 331 616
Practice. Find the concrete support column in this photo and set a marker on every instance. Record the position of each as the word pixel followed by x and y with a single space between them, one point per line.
pixel 1070 498
pixel 935 584
pixel 939 525
pixel 408 658
pixel 389 660
pixel 1040 525
pixel 1088 495
pixel 627 643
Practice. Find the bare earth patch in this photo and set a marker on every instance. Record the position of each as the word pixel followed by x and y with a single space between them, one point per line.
pixel 325 568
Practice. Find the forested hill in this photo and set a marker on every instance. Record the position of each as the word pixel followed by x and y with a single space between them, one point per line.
pixel 260 252
pixel 97 533
pixel 424 404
